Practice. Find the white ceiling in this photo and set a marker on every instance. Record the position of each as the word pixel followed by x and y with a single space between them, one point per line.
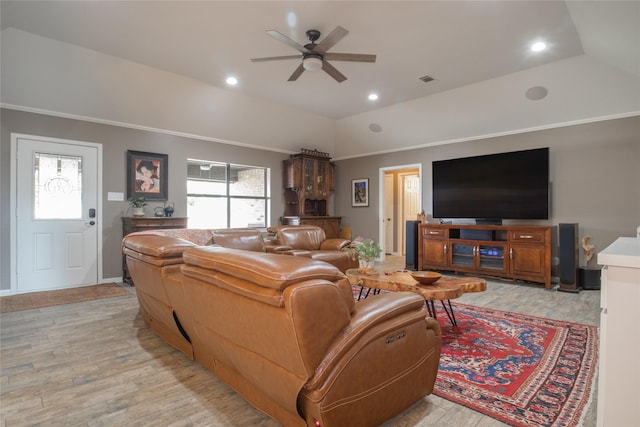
pixel 457 43
pixel 477 51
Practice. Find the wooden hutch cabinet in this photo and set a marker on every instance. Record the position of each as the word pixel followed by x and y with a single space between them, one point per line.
pixel 308 185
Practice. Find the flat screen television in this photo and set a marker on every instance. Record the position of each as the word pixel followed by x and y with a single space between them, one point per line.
pixel 490 188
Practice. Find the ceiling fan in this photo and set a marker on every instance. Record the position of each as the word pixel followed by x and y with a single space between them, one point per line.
pixel 315 56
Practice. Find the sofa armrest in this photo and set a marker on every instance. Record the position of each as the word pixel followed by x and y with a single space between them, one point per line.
pixel 156 245
pixel 298 252
pixel 334 244
pixel 382 314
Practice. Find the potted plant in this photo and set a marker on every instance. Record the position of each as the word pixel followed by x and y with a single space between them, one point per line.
pixel 137 204
pixel 365 251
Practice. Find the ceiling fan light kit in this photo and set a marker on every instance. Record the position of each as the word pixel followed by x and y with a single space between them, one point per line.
pixel 312 62
pixel 315 56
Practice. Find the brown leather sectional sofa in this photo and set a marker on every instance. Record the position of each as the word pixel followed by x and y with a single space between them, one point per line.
pixel 285 331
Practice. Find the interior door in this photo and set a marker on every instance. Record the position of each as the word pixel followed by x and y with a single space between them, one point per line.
pixel 410 203
pixel 56 214
pixel 389 214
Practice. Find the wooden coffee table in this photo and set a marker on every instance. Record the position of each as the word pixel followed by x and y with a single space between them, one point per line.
pixel 444 289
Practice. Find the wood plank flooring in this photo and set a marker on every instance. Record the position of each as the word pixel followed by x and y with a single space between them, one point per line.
pixel 96 364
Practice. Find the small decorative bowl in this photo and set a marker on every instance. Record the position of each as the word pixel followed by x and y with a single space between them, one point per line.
pixel 425 277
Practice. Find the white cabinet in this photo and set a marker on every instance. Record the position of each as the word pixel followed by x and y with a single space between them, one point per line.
pixel 619 369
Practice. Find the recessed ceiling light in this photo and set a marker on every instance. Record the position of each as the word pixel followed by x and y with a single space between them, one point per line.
pixel 232 81
pixel 374 127
pixel 373 96
pixel 538 46
pixel 536 93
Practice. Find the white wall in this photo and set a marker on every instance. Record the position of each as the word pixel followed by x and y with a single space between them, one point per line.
pixel 580 89
pixel 40 74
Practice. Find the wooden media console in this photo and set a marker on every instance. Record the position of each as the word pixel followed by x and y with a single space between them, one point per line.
pixel 510 251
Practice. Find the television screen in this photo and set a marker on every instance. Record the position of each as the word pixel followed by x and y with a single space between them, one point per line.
pixel 512 185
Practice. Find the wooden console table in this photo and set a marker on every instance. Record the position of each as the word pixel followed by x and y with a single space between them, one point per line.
pixel 132 224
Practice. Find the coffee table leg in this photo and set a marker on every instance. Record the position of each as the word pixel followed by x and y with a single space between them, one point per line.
pixel 431 308
pixel 367 294
pixel 449 311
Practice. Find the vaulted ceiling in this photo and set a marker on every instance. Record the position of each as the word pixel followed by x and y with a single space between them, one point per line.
pixel 471 49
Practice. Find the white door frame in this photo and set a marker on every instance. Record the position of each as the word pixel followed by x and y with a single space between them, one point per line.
pixel 13 203
pixel 381 201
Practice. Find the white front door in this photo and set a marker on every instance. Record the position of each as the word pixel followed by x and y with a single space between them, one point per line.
pixel 56 200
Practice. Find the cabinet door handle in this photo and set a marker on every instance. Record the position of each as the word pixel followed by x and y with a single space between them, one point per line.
pixel 445 248
pixel 433 232
pixel 525 236
pixel 510 252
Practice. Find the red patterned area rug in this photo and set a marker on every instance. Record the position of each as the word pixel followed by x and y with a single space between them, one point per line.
pixel 521 370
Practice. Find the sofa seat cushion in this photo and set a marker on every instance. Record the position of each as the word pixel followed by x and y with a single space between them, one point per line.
pixel 267 270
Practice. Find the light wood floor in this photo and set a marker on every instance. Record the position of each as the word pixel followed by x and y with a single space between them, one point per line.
pixel 96 364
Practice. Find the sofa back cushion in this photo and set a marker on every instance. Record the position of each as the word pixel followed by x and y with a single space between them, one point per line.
pixel 306 237
pixel 269 271
pixel 197 236
pixel 248 239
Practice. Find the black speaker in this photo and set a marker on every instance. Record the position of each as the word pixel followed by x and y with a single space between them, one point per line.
pixel 568 254
pixel 411 246
pixel 589 278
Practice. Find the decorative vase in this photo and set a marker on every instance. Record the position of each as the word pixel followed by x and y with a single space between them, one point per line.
pixel 366 265
pixel 137 211
pixel 168 210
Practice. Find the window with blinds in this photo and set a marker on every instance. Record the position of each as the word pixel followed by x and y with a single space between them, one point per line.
pixel 223 195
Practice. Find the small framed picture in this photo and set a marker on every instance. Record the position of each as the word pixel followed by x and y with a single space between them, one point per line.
pixel 360 192
pixel 147 175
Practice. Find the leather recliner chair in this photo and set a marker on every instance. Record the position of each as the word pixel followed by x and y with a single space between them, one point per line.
pixel 310 241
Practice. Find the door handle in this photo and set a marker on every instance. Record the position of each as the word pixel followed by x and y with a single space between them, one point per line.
pixel 92 222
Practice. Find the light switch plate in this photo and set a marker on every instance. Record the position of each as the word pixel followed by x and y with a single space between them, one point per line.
pixel 115 197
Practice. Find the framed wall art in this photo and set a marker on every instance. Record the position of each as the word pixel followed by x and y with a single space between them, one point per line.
pixel 147 175
pixel 360 192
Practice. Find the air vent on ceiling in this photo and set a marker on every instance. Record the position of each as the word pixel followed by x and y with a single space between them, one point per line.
pixel 427 79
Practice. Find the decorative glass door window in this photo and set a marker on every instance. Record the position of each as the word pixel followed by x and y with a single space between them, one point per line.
pixel 57 192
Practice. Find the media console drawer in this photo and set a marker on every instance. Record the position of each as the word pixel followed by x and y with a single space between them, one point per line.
pixel 532 236
pixel 431 233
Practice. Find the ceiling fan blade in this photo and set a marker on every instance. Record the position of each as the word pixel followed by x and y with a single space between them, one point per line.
pixel 284 39
pixel 276 58
pixel 296 73
pixel 333 72
pixel 329 41
pixel 353 57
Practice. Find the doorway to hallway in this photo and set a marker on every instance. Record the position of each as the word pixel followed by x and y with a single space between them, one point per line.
pixel 400 201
